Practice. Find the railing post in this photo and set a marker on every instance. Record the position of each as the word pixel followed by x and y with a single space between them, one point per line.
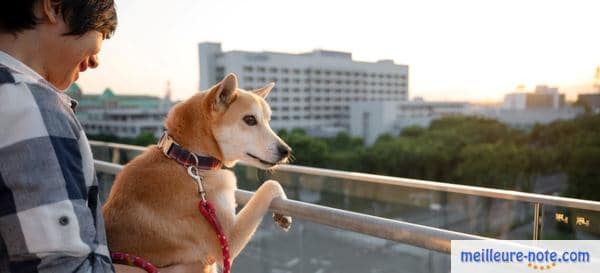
pixel 116 156
pixel 538 213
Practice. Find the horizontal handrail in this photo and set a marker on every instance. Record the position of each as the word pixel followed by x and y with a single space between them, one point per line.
pixel 117 145
pixel 403 232
pixel 422 184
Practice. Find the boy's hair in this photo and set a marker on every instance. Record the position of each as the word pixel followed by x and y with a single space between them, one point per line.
pixel 80 15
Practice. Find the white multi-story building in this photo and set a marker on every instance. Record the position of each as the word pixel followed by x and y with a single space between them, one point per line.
pixel 314 89
pixel 369 120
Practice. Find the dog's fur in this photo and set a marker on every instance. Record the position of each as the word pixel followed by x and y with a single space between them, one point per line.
pixel 152 210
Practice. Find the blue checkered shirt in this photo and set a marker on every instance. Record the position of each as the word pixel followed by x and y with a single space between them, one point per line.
pixel 50 216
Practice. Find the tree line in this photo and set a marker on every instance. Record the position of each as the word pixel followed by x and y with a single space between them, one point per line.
pixel 468 150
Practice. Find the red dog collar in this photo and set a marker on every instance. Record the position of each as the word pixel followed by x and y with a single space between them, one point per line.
pixel 173 150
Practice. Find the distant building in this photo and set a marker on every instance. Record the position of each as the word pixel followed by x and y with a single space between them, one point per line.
pixel 371 119
pixel 527 118
pixel 524 110
pixel 125 116
pixel 592 100
pixel 313 90
pixel 543 97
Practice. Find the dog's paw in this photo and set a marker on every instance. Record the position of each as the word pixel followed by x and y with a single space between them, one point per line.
pixel 209 260
pixel 285 222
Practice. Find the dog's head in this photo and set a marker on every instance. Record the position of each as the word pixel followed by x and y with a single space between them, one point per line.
pixel 237 121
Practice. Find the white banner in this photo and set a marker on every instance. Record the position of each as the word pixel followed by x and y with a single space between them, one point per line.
pixel 504 256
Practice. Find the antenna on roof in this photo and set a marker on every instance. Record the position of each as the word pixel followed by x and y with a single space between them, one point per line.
pixel 597 79
pixel 168 91
pixel 165 103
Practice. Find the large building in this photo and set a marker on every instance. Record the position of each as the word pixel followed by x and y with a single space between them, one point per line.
pixel 124 116
pixel 371 119
pixel 314 89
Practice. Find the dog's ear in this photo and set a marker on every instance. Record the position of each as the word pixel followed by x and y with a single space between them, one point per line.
pixel 265 90
pixel 223 93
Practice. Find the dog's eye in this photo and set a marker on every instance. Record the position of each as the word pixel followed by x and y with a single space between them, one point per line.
pixel 250 120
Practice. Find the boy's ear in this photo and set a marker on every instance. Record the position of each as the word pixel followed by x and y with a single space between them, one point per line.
pixel 50 10
pixel 224 92
pixel 265 90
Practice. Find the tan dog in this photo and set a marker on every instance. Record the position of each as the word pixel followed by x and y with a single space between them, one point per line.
pixel 152 210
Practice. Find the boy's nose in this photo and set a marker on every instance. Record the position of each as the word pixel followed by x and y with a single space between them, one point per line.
pixel 93 61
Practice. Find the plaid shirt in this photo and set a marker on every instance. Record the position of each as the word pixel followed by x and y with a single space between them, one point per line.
pixel 50 216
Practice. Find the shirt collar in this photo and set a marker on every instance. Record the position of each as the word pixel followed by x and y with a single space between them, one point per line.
pixel 31 76
pixel 18 66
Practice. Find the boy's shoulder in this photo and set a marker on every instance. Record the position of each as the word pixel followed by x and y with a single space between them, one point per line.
pixel 33 109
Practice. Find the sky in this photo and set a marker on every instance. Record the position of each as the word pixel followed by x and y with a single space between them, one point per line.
pixel 455 50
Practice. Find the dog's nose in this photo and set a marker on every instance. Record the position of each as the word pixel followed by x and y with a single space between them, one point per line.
pixel 284 150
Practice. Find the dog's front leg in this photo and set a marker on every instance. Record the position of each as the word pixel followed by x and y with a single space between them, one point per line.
pixel 252 214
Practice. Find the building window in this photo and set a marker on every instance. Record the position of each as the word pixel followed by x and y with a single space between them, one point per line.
pixel 273 70
pixel 261 69
pixel 285 70
pixel 248 79
pixel 248 68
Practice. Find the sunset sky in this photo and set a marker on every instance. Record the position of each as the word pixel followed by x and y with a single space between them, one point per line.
pixel 456 50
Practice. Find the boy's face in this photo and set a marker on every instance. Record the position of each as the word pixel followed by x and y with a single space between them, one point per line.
pixel 68 55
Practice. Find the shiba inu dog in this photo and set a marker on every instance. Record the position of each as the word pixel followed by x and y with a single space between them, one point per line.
pixel 152 209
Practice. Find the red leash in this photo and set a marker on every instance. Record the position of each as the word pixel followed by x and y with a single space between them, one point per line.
pixel 132 260
pixel 209 213
pixel 207 210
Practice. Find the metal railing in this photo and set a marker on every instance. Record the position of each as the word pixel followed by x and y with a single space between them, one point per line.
pixel 418 235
